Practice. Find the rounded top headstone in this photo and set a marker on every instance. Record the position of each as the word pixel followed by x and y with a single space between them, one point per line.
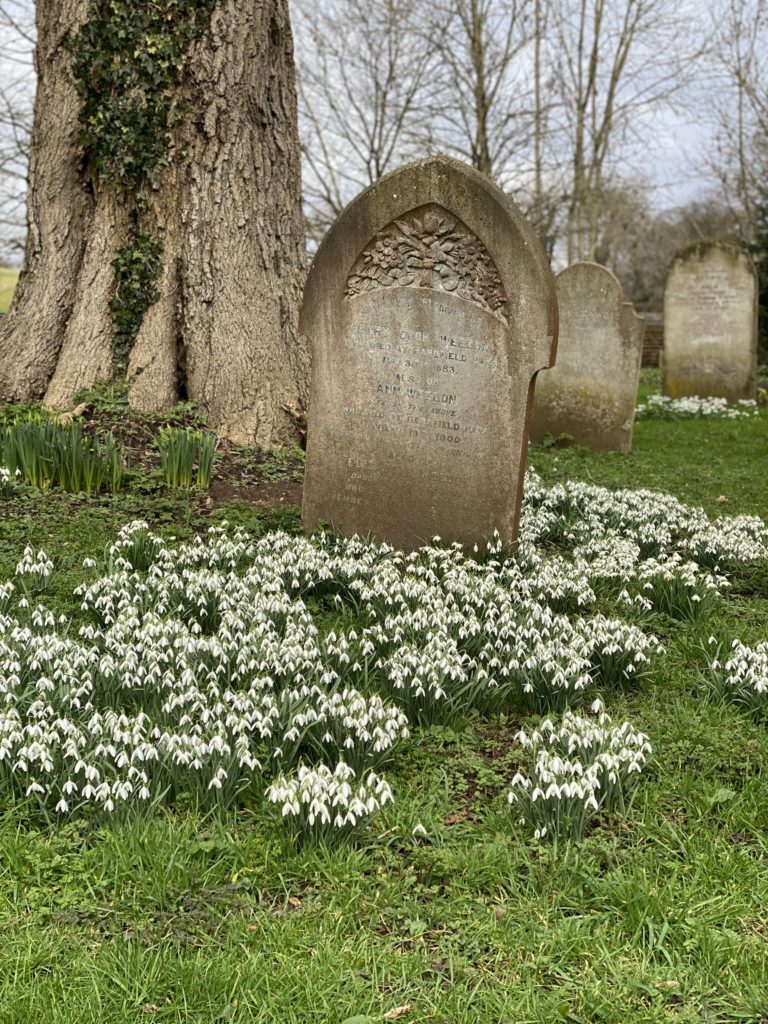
pixel 596 271
pixel 710 322
pixel 429 308
pixel 706 247
pixel 479 203
pixel 589 396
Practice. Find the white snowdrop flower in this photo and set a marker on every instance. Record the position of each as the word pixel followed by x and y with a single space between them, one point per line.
pixel 663 407
pixel 564 789
pixel 214 644
pixel 743 678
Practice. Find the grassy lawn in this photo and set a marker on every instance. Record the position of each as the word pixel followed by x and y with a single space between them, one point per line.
pixel 720 465
pixel 8 279
pixel 657 915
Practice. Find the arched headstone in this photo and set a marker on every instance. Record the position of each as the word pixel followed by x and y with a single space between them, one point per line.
pixel 591 393
pixel 429 308
pixel 710 323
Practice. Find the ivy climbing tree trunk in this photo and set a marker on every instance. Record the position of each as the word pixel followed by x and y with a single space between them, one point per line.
pixel 172 249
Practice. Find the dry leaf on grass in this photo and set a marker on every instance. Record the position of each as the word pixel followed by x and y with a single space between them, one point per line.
pixel 73 414
pixel 398 1011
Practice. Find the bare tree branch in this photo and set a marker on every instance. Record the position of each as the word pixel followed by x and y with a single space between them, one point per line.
pixel 739 108
pixel 615 63
pixel 484 108
pixel 364 74
pixel 17 83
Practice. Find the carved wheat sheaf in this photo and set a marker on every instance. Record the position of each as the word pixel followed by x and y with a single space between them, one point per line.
pixel 430 248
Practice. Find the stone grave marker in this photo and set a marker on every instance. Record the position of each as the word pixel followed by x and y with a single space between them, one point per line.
pixel 429 308
pixel 591 393
pixel 710 323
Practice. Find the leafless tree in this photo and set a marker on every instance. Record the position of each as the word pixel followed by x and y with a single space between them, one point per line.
pixel 545 199
pixel 484 113
pixel 617 63
pixel 381 83
pixel 17 84
pixel 364 75
pixel 548 97
pixel 739 158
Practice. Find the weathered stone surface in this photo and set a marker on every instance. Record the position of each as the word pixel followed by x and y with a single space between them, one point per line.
pixel 429 308
pixel 591 392
pixel 710 323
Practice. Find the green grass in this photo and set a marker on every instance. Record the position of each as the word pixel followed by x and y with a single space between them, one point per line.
pixel 656 916
pixel 8 279
pixel 701 462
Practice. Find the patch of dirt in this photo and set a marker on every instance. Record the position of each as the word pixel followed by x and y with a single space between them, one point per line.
pixel 498 743
pixel 267 493
pixel 262 478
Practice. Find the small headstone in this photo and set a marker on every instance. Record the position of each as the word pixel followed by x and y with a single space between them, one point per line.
pixel 590 395
pixel 429 308
pixel 710 323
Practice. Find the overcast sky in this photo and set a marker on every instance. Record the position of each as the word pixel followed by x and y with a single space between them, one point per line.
pixel 668 161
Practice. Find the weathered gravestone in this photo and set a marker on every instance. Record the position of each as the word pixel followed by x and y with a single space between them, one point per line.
pixel 429 307
pixel 710 323
pixel 591 393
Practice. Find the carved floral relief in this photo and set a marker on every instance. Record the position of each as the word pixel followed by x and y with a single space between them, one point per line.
pixel 430 248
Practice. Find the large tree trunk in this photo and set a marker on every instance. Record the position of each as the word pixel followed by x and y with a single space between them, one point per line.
pixel 60 212
pixel 227 210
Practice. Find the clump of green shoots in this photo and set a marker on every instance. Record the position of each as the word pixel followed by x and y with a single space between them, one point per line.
pixel 44 453
pixel 186 457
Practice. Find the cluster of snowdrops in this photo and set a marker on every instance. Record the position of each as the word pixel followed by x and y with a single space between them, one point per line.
pixel 231 667
pixel 662 407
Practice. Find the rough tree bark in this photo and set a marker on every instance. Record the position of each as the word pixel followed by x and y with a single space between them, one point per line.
pixel 59 216
pixel 227 210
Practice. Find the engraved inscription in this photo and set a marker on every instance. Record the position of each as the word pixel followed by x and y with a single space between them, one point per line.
pixel 429 308
pixel 419 370
pixel 712 303
pixel 709 324
pixel 430 248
